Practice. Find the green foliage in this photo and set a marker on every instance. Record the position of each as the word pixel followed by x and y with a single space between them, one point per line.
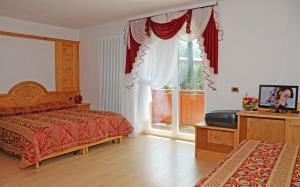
pixel 183 49
pixel 191 70
pixel 194 81
pixel 191 74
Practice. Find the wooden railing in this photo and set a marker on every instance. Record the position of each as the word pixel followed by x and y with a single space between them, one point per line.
pixel 191 106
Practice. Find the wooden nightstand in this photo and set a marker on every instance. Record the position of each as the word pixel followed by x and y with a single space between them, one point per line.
pixel 83 106
pixel 214 142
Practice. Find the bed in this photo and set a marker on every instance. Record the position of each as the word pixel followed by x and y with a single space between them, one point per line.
pixel 36 130
pixel 257 163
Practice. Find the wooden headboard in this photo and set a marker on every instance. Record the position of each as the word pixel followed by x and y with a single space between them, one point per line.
pixel 30 93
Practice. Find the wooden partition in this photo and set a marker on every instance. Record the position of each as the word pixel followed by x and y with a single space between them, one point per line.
pixel 66 63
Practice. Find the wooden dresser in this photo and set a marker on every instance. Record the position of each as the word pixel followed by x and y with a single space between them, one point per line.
pixel 264 125
pixel 216 142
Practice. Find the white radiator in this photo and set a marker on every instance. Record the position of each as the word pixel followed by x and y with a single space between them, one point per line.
pixel 111 68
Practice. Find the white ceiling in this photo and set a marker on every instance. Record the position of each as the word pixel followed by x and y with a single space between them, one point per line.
pixel 80 14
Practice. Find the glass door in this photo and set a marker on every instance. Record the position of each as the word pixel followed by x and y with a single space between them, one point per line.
pixel 180 104
pixel 162 108
pixel 191 94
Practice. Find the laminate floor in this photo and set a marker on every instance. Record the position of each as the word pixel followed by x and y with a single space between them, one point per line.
pixel 145 161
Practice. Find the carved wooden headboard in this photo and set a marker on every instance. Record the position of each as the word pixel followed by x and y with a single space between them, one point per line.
pixel 30 93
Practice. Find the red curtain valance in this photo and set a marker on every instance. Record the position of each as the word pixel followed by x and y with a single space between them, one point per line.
pixel 168 30
pixel 162 30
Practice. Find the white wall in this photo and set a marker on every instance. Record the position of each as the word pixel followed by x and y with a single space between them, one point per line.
pixel 26 59
pixel 29 59
pixel 89 59
pixel 33 28
pixel 260 46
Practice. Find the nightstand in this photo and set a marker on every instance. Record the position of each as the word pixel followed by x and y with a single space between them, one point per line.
pixel 214 142
pixel 85 106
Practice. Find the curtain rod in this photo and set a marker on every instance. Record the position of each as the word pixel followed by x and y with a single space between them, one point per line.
pixel 178 9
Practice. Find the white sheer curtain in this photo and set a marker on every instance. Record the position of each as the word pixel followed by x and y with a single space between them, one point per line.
pixel 157 69
pixel 129 99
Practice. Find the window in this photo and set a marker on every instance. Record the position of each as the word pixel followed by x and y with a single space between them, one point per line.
pixel 191 70
pixel 181 108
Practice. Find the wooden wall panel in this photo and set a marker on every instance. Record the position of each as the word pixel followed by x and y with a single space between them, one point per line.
pixel 67 66
pixel 66 63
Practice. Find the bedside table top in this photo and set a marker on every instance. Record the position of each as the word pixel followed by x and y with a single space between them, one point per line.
pixel 83 104
pixel 203 125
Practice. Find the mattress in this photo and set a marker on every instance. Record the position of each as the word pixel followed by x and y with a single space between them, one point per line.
pixel 33 136
pixel 257 163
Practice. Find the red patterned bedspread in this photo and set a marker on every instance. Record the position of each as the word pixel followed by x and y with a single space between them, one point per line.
pixel 34 136
pixel 257 163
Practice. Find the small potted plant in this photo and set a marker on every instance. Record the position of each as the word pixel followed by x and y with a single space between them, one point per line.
pixel 250 103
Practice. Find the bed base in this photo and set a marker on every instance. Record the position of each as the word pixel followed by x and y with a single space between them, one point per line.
pixel 84 149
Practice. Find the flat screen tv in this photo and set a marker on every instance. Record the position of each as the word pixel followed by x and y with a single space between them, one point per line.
pixel 278 96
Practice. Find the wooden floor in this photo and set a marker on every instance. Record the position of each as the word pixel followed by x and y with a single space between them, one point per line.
pixel 143 161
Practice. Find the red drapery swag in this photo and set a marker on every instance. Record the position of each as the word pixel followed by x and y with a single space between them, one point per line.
pixel 210 36
pixel 131 54
pixel 169 29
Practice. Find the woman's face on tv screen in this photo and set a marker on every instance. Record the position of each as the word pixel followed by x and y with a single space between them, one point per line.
pixel 284 96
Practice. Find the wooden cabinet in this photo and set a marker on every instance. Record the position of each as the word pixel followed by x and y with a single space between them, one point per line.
pixel 83 106
pixel 293 131
pixel 273 127
pixel 214 142
pixel 67 66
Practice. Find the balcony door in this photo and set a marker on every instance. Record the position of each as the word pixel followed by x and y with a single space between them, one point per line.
pixel 180 104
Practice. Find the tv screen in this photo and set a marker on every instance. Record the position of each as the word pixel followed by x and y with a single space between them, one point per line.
pixel 278 96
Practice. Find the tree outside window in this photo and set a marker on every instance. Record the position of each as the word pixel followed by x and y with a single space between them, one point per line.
pixel 191 70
